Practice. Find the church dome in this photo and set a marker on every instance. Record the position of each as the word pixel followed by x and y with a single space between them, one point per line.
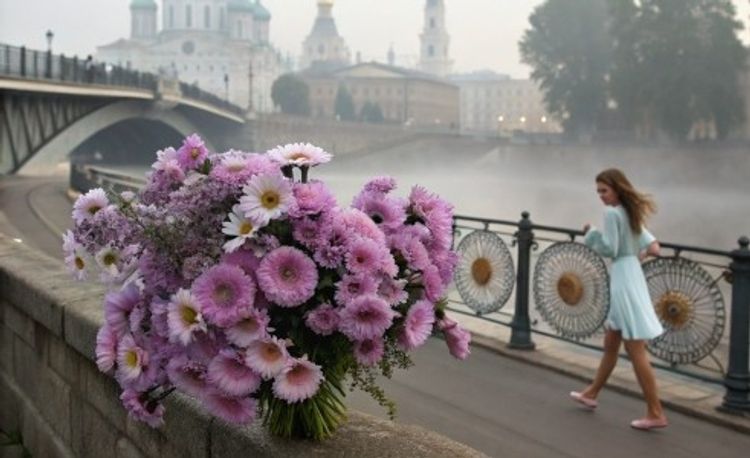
pixel 144 4
pixel 261 13
pixel 241 5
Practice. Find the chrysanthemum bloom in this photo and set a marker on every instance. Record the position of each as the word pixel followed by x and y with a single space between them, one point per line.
pixel 87 205
pixel 367 257
pixel 236 410
pixel 322 320
pixel 299 154
pixel 417 325
pixel 76 258
pixel 184 317
pixel 298 381
pixel 393 291
pixel 356 222
pixel 232 167
pixel 369 351
pixel 267 357
pixel 252 326
pixel 433 212
pixel 229 372
pixel 312 198
pixel 131 359
pixel 243 258
pixel 164 157
pixel 458 339
pixel 192 153
pixel 382 184
pixel 433 284
pixel 386 212
pixel 106 349
pixel 117 308
pixel 365 317
pixel 240 227
pixel 287 276
pixel 266 197
pixel 353 286
pixel 225 294
pixel 187 375
pixel 141 408
pixel 310 233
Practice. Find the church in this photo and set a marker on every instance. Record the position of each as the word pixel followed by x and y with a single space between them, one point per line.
pixel 221 46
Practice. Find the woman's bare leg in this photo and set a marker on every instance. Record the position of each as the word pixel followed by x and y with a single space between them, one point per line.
pixel 645 374
pixel 612 341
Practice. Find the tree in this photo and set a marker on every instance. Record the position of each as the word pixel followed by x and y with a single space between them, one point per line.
pixel 291 94
pixel 344 104
pixel 371 112
pixel 569 50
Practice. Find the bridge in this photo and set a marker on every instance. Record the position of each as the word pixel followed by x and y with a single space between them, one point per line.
pixel 50 104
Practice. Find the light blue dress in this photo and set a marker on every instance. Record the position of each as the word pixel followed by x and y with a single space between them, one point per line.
pixel 631 310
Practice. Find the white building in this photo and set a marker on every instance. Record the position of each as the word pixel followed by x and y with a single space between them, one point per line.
pixel 435 41
pixel 324 48
pixel 494 104
pixel 214 44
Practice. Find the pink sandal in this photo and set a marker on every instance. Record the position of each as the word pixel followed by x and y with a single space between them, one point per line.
pixel 581 399
pixel 645 424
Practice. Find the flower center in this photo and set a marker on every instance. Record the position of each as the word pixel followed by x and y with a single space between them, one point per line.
pixel 109 259
pixel 297 375
pixel 270 352
pixel 298 155
pixel 288 273
pixel 249 325
pixel 365 315
pixel 93 209
pixel 376 218
pixel 353 287
pixel 79 263
pixel 131 359
pixel 223 293
pixel 270 200
pixel 236 167
pixel 194 153
pixel 366 346
pixel 246 227
pixel 188 315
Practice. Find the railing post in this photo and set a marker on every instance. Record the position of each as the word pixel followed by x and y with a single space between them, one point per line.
pixel 737 380
pixel 520 337
pixel 48 74
pixel 23 60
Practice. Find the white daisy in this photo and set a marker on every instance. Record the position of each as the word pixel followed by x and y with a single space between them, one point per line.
pixel 300 154
pixel 108 259
pixel 88 204
pixel 184 317
pixel 76 257
pixel 240 227
pixel 266 197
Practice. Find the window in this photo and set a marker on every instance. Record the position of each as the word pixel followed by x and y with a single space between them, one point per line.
pixel 207 17
pixel 188 16
pixel 222 19
pixel 171 16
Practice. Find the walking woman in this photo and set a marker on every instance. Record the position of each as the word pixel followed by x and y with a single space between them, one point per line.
pixel 631 318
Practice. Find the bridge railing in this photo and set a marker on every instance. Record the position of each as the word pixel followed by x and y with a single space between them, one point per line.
pixel 194 92
pixel 687 285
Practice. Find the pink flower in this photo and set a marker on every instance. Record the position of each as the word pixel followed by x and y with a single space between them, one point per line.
pixel 267 357
pixel 187 375
pixel 433 284
pixel 87 205
pixel 393 291
pixel 184 317
pixel 131 359
pixel 311 233
pixel 457 338
pixel 141 408
pixel 287 276
pixel 229 373
pixel 386 212
pixel 119 305
pixel 251 327
pixel 365 317
pixel 323 320
pixel 382 184
pixel 356 222
pixel 106 349
pixel 300 154
pixel 244 259
pixel 417 325
pixel 298 381
pixel 234 167
pixel 192 153
pixel 369 351
pixel 225 294
pixel 353 286
pixel 313 198
pixel 366 256
pixel 237 410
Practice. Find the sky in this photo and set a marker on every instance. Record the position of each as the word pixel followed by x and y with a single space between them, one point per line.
pixel 484 33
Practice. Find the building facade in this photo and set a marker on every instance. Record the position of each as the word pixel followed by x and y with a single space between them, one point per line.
pixel 495 104
pixel 435 41
pixel 221 46
pixel 403 96
pixel 324 47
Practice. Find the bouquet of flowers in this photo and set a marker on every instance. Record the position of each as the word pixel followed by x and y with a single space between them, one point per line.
pixel 237 280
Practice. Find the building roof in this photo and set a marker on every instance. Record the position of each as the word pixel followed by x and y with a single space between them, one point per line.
pixel 373 70
pixel 479 76
pixel 261 12
pixel 324 27
pixel 241 5
pixel 149 4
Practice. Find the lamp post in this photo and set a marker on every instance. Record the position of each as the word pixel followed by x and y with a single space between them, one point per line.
pixel 49 36
pixel 500 121
pixel 226 86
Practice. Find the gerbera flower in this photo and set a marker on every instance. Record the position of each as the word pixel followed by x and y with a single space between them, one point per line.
pixel 187 375
pixel 298 381
pixel 365 256
pixel 184 317
pixel 87 205
pixel 369 351
pixel 287 276
pixel 225 294
pixel 192 153
pixel 76 258
pixel 251 327
pixel 417 325
pixel 229 372
pixel 131 359
pixel 312 198
pixel 365 317
pixel 300 154
pixel 386 212
pixel 353 286
pixel 266 197
pixel 322 320
pixel 240 227
pixel 267 357
pixel 232 167
pixel 118 306
pixel 106 349
pixel 245 259
pixel 232 409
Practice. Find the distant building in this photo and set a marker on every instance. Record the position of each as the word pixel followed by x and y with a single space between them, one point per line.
pixel 215 45
pixel 324 48
pixel 495 104
pixel 404 96
pixel 435 41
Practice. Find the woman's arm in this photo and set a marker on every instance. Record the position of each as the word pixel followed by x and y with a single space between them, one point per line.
pixel 648 244
pixel 606 241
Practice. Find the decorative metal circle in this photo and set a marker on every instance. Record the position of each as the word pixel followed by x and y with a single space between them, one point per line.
pixel 689 305
pixel 571 289
pixel 485 274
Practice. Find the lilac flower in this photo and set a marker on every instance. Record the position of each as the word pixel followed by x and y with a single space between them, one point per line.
pixel 310 233
pixel 244 259
pixel 287 277
pixel 386 212
pixel 382 184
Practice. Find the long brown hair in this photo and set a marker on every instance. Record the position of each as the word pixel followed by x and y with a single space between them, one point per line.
pixel 638 206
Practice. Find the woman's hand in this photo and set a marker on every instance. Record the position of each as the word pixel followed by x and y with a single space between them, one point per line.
pixel 654 249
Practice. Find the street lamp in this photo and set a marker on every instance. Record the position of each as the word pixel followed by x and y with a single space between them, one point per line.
pixel 226 86
pixel 49 36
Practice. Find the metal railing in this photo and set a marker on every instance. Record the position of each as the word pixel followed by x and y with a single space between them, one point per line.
pixel 194 92
pixel 733 266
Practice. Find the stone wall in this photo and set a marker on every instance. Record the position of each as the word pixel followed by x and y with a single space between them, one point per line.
pixel 52 393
